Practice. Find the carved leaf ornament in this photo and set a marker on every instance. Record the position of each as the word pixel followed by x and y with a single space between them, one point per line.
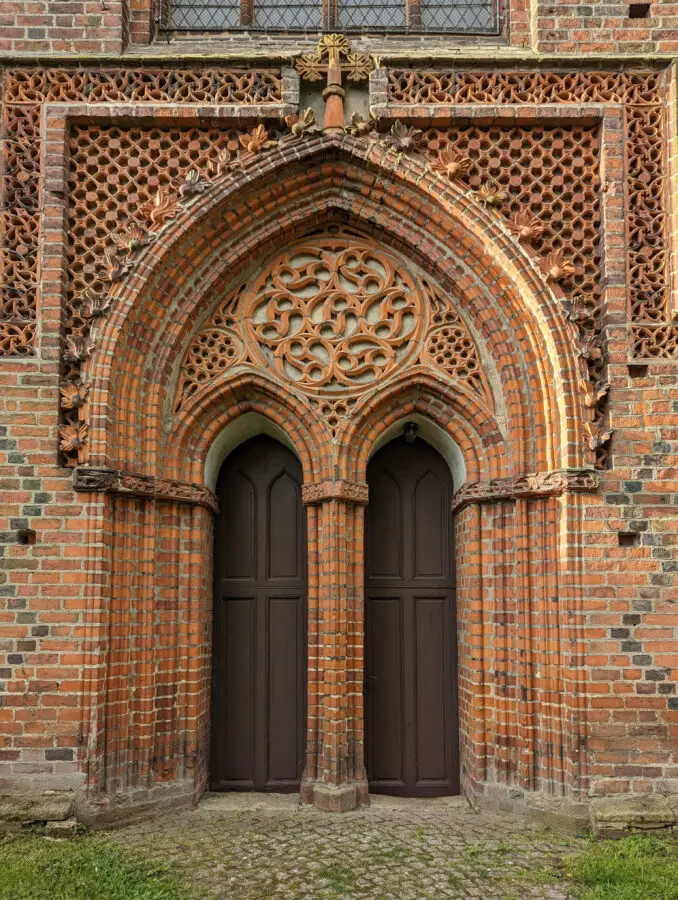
pixel 334 315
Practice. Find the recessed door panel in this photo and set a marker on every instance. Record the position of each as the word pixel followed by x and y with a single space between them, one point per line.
pixel 285 709
pixel 384 696
pixel 259 638
pixel 239 550
pixel 411 730
pixel 384 543
pixel 284 548
pixel 238 671
pixel 431 541
pixel 430 687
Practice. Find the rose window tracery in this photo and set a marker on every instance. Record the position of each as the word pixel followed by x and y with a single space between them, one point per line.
pixel 334 315
pixel 336 312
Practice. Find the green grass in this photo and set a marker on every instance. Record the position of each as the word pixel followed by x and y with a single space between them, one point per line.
pixel 640 867
pixel 338 879
pixel 86 868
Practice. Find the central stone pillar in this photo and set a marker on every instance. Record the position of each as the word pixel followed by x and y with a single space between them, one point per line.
pixel 334 778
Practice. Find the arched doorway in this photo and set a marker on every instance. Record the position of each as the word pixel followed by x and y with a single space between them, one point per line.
pixel 259 640
pixel 411 730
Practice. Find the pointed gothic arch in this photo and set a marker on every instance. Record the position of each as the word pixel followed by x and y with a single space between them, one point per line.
pixel 527 423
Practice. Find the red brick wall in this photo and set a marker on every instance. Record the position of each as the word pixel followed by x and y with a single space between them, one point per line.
pixel 62 26
pixel 570 27
pixel 601 26
pixel 632 593
pixel 569 651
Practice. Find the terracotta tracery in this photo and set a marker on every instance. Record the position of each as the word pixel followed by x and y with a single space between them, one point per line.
pixel 335 314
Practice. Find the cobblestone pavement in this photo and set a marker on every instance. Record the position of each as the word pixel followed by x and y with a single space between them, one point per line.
pixel 243 847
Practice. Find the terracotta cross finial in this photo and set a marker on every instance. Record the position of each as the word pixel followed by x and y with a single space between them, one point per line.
pixel 332 59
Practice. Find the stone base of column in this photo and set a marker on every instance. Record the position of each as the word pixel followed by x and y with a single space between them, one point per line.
pixel 335 797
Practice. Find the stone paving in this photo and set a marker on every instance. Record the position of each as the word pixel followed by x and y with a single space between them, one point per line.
pixel 243 847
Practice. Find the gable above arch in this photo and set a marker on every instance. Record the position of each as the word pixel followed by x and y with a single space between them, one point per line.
pixel 216 250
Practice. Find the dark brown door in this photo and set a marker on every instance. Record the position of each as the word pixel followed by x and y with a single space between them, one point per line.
pixel 411 732
pixel 259 639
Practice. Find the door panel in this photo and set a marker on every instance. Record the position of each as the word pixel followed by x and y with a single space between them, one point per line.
pixel 385 555
pixel 259 640
pixel 430 700
pixel 285 706
pixel 284 550
pixel 238 645
pixel 239 550
pixel 384 692
pixel 431 541
pixel 411 730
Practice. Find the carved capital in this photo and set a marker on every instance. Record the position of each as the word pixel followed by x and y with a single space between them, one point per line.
pixel 534 484
pixel 89 478
pixel 348 491
pixel 112 481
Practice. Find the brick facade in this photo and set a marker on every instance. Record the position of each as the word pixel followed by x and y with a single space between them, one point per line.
pixel 532 205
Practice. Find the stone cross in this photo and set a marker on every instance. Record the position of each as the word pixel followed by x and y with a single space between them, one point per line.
pixel 334 57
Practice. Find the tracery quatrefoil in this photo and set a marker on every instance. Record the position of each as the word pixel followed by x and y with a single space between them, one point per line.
pixel 335 313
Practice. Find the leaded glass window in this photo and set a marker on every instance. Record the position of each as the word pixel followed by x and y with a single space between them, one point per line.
pixel 452 16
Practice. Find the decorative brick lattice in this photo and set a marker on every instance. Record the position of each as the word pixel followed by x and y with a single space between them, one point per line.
pixel 642 95
pixel 334 312
pixel 25 92
pixel 449 346
pixel 551 175
pixel 114 172
pixel 123 169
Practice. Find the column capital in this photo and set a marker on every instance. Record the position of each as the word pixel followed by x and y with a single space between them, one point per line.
pixel 90 479
pixel 534 484
pixel 349 491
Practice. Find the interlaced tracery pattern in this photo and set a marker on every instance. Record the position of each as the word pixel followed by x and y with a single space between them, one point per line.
pixel 25 92
pixel 333 313
pixel 642 95
pixel 144 85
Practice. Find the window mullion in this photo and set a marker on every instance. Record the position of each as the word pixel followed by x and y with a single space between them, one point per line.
pixel 413 14
pixel 330 14
pixel 246 12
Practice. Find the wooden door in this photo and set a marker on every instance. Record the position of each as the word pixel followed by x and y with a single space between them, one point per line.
pixel 411 730
pixel 259 639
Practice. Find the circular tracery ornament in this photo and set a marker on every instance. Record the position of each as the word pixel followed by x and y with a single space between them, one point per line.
pixel 335 312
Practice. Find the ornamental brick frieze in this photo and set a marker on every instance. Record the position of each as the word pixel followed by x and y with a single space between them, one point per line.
pixel 535 484
pixel 148 85
pixel 333 314
pixel 112 481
